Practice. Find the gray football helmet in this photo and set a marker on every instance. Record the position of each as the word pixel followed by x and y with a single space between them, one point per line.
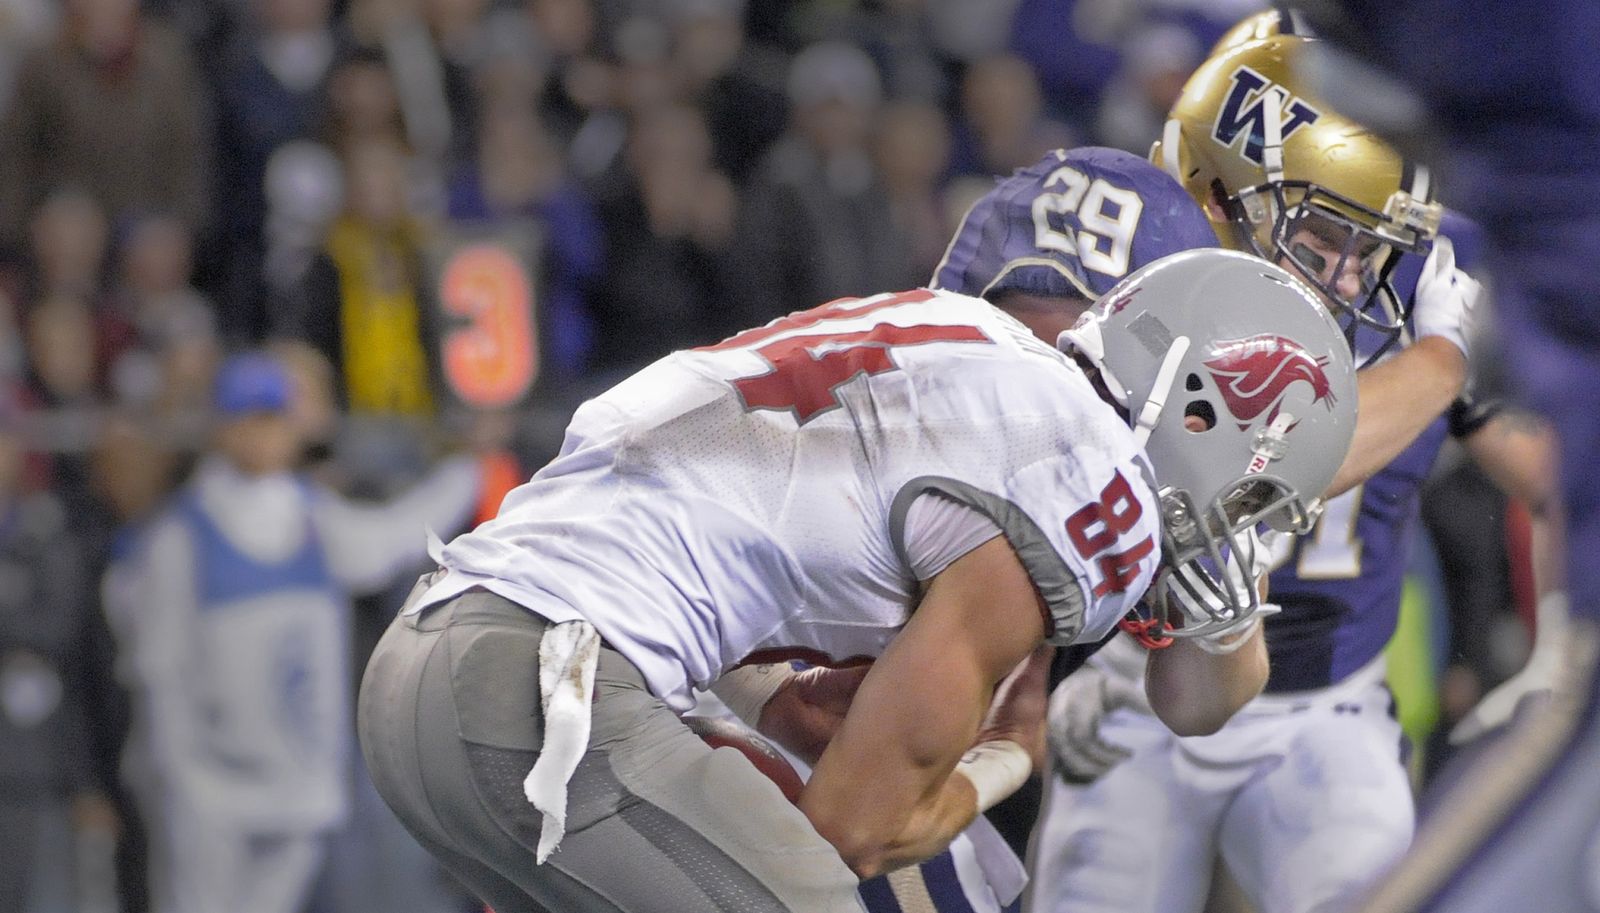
pixel 1240 387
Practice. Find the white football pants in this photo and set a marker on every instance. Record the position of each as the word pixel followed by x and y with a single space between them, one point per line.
pixel 1303 795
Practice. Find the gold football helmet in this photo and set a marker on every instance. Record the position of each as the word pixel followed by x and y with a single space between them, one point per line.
pixel 1285 177
pixel 1253 27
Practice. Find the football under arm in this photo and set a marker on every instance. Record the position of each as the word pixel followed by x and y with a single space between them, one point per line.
pixel 883 792
pixel 1399 399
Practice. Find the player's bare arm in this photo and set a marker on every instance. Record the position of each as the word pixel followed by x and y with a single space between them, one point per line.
pixel 1399 398
pixel 1517 450
pixel 1194 691
pixel 883 792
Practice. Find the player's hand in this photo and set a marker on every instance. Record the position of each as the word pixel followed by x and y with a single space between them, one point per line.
pixel 806 711
pixel 1018 710
pixel 1529 686
pixel 1078 706
pixel 1447 298
pixel 1535 682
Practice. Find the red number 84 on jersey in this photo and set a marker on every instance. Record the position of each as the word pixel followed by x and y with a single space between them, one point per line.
pixel 1095 528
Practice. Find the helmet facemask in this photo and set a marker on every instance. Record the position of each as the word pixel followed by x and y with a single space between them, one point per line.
pixel 1308 228
pixel 1205 588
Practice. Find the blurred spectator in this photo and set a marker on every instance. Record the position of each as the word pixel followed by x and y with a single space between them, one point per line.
pixel 25 25
pixel 48 779
pixel 519 176
pixel 578 82
pixel 362 302
pixel 273 91
pixel 61 381
pixel 67 238
pixel 638 77
pixel 816 223
pixel 1156 62
pixel 897 35
pixel 913 155
pixel 114 106
pixel 668 216
pixel 234 610
pixel 365 104
pixel 737 83
pixel 1003 124
pixel 968 30
pixel 11 350
pixel 1070 62
pixel 314 406
pixel 132 471
pixel 61 353
pixel 151 309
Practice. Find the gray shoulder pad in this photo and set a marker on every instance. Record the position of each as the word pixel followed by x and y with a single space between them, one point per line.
pixel 1054 578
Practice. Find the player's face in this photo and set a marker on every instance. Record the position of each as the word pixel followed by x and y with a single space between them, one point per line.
pixel 1329 252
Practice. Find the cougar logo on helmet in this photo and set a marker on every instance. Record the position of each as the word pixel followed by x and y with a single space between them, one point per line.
pixel 1244 109
pixel 1254 374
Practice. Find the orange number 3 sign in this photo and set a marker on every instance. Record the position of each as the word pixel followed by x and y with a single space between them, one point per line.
pixel 491 361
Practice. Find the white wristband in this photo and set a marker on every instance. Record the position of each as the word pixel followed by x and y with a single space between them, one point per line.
pixel 748 688
pixel 995 769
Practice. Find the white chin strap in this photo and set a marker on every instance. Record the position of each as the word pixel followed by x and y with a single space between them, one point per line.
pixel 1272 126
pixel 1171 133
pixel 1150 412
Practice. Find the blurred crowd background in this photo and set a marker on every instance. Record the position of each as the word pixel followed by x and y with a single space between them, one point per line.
pixel 446 222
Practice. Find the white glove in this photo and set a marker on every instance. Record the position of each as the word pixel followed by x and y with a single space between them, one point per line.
pixel 1083 699
pixel 1537 676
pixel 1446 297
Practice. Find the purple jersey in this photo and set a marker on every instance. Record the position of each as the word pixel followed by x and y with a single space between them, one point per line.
pixel 1340 589
pixel 1070 226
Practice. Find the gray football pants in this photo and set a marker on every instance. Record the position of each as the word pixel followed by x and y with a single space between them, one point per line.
pixel 450 724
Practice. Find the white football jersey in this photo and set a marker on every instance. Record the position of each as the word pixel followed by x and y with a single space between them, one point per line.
pixel 748 500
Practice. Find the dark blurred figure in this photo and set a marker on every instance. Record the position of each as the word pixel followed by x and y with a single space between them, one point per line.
pixel 62 383
pixel 273 91
pixel 519 179
pixel 1157 59
pixel 150 309
pixel 1003 124
pixel 736 82
pixel 578 82
pixel 51 800
pixel 668 217
pixel 816 223
pixel 912 150
pixel 67 240
pixel 132 471
pixel 1072 67
pixel 114 106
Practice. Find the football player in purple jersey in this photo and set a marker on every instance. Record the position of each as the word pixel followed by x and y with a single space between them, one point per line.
pixel 1503 95
pixel 1332 203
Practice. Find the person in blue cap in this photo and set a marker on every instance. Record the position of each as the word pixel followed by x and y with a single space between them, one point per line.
pixel 234 615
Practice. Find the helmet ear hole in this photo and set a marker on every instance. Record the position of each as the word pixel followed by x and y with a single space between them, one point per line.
pixel 1193 383
pixel 1199 417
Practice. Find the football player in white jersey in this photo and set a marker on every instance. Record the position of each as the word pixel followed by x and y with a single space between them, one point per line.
pixel 911 478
